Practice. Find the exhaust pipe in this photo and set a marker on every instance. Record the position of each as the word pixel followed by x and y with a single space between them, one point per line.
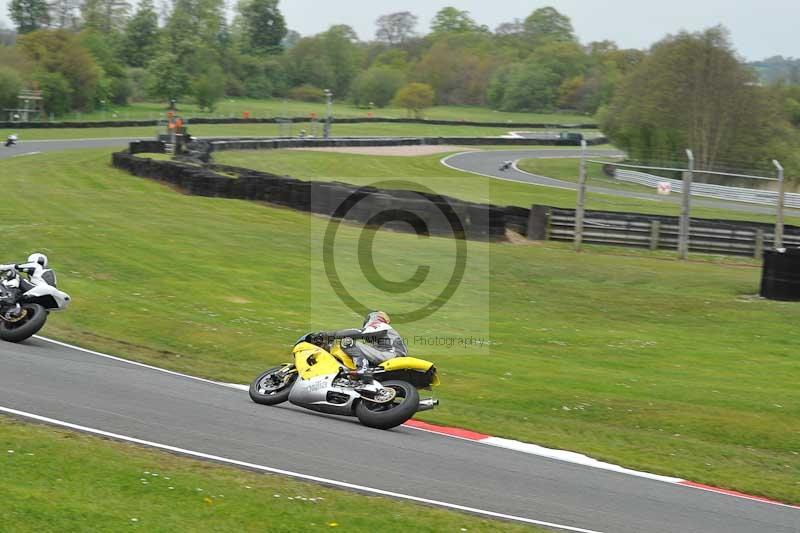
pixel 426 404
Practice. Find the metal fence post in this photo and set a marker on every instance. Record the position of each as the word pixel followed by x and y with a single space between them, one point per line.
pixel 686 193
pixel 781 197
pixel 758 251
pixel 655 231
pixel 580 208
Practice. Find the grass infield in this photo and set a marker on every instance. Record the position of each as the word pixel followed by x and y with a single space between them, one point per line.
pixel 635 358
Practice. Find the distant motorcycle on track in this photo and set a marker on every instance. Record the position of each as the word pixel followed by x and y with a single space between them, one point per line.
pixel 11 140
pixel 506 165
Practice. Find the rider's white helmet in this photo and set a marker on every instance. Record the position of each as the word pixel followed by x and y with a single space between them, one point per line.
pixel 38 258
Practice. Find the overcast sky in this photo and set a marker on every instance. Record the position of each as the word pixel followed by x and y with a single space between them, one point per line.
pixel 760 29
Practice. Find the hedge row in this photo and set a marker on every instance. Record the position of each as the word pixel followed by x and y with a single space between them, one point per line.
pixel 276 120
pixel 402 210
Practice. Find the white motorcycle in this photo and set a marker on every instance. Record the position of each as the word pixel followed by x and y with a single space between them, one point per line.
pixel 24 306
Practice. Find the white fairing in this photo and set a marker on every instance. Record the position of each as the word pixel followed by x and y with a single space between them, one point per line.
pixel 43 291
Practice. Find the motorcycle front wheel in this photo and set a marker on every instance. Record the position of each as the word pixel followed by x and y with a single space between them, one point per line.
pixel 29 325
pixel 393 413
pixel 273 386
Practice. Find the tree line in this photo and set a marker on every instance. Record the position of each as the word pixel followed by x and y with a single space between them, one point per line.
pixel 689 89
pixel 82 53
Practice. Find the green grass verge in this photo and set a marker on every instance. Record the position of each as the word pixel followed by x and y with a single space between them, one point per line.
pixel 636 358
pixel 567 170
pixel 263 130
pixel 364 169
pixel 229 107
pixel 55 480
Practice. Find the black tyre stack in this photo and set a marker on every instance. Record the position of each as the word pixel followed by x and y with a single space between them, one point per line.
pixel 780 276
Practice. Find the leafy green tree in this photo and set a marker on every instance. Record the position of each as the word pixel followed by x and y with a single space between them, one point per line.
pixel 452 20
pixel 292 37
pixel 458 67
pixel 692 91
pixel 262 26
pixel 113 85
pixel 64 13
pixel 396 29
pixel 207 89
pixel 62 52
pixel 414 97
pixel 56 92
pixel 167 79
pixel 393 58
pixel 377 86
pixel 528 86
pixel 105 15
pixel 141 35
pixel 29 15
pixel 546 24
pixel 10 85
pixel 329 60
pixel 566 59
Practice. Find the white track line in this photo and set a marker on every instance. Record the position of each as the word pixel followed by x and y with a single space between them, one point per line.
pixel 72 140
pixel 509 444
pixel 135 363
pixel 306 477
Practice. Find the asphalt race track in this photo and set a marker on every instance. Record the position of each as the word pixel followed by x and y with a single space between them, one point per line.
pixel 25 148
pixel 488 164
pixel 77 387
pixel 81 388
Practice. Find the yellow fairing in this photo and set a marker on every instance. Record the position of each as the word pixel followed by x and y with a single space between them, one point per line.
pixel 340 354
pixel 410 363
pixel 312 361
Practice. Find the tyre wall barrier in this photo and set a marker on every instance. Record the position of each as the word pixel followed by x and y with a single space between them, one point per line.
pixel 480 221
pixel 278 120
pixel 442 215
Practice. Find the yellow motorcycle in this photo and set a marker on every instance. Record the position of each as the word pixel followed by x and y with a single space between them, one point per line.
pixel 321 379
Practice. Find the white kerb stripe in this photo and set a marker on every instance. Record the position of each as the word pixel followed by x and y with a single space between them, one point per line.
pixel 572 457
pixel 297 475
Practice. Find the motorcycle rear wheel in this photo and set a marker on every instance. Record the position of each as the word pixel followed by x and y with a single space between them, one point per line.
pixel 27 327
pixel 261 391
pixel 394 413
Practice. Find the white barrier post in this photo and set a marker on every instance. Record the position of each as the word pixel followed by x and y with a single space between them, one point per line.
pixel 580 208
pixel 781 198
pixel 686 192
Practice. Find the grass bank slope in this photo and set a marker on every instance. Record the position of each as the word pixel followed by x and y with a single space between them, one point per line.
pixel 667 366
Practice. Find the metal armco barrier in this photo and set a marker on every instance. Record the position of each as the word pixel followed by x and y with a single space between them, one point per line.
pixel 721 192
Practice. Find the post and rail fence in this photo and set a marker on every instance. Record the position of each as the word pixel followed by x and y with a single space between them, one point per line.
pixel 682 233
